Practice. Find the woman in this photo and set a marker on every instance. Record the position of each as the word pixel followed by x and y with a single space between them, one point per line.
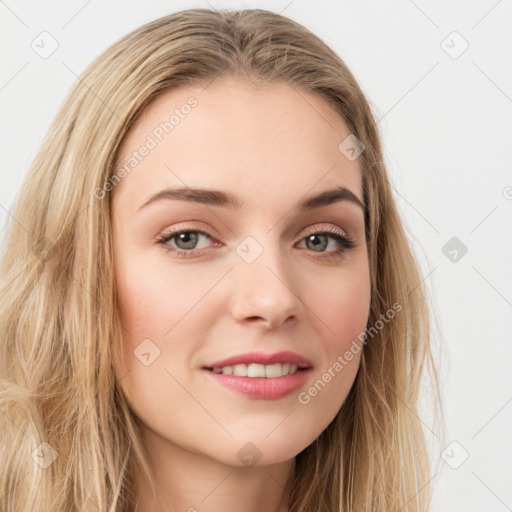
pixel 208 298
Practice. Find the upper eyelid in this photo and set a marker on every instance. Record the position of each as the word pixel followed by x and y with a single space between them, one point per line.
pixel 314 229
pixel 330 231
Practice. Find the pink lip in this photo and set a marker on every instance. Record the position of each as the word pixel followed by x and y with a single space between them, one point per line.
pixel 262 388
pixel 261 358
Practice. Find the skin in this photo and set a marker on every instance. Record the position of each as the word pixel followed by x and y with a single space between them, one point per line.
pixel 270 146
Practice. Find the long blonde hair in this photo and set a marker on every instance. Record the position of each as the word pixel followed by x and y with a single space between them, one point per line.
pixel 70 441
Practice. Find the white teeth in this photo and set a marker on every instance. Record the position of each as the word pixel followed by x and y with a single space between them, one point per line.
pixel 240 370
pixel 270 371
pixel 256 370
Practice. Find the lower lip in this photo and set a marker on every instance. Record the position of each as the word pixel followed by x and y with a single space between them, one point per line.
pixel 262 388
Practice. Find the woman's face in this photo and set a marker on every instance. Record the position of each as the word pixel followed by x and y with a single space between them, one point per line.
pixel 225 264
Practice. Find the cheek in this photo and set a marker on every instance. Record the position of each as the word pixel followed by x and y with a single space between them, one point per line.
pixel 343 306
pixel 152 300
pixel 152 304
pixel 148 309
pixel 165 315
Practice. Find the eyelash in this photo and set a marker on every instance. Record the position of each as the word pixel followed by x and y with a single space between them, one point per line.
pixel 341 238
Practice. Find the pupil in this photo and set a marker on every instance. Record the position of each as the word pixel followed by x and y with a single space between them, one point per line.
pixel 189 239
pixel 322 244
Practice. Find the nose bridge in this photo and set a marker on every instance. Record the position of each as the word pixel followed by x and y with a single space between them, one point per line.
pixel 263 284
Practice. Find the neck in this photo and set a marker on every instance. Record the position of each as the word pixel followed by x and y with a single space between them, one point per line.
pixel 185 481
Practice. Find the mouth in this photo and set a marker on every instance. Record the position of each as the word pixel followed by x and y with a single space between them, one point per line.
pixel 261 376
pixel 254 370
pixel 259 364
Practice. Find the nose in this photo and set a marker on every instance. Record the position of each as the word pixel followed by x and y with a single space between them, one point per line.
pixel 265 291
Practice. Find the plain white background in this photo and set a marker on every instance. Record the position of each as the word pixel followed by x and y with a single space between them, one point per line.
pixel 439 79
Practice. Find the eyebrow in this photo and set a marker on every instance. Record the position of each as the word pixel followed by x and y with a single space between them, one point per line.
pixel 228 200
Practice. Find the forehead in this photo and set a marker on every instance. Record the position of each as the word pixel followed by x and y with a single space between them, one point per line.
pixel 262 141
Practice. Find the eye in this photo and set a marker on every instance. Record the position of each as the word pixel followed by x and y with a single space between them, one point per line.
pixel 189 239
pixel 185 242
pixel 321 241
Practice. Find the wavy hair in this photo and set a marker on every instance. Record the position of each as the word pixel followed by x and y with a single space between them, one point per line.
pixel 70 441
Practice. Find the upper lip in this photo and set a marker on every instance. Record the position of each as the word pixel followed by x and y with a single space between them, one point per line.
pixel 262 358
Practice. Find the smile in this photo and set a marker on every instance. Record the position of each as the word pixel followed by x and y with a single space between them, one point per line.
pixel 269 371
pixel 261 376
